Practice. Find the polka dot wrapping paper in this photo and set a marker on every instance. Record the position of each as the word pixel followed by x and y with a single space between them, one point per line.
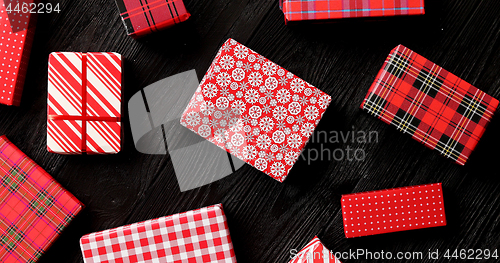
pixel 196 236
pixel 16 36
pixel 255 110
pixel 393 210
pixel 315 252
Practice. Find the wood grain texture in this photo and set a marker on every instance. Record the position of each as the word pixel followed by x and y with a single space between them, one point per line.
pixel 268 219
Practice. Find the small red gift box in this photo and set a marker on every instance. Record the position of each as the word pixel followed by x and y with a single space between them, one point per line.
pixel 145 17
pixel 316 10
pixel 255 110
pixel 437 108
pixel 34 208
pixel 84 103
pixel 315 252
pixel 196 236
pixel 16 36
pixel 393 210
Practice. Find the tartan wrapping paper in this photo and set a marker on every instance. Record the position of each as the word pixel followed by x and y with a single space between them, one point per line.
pixel 84 103
pixel 393 210
pixel 434 106
pixel 302 10
pixel 34 208
pixel 196 236
pixel 143 17
pixel 16 37
pixel 315 252
pixel 255 110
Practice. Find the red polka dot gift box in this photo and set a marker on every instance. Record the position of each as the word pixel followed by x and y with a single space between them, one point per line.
pixel 34 208
pixel 196 236
pixel 435 107
pixel 393 210
pixel 315 252
pixel 84 103
pixel 16 36
pixel 255 110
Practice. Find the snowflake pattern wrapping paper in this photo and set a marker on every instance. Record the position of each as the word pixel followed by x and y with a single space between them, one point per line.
pixel 315 252
pixel 196 236
pixel 34 208
pixel 16 36
pixel 435 107
pixel 393 210
pixel 255 110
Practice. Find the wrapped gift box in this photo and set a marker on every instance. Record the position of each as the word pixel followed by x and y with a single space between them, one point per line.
pixel 315 252
pixel 34 208
pixel 393 210
pixel 255 110
pixel 16 36
pixel 196 236
pixel 317 10
pixel 145 17
pixel 434 106
pixel 84 103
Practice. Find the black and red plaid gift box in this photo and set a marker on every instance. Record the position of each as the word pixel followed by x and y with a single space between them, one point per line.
pixel 34 208
pixel 143 17
pixel 434 106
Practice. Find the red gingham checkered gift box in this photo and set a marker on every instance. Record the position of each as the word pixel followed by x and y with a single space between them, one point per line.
pixel 315 252
pixel 196 236
pixel 143 17
pixel 434 106
pixel 393 210
pixel 16 36
pixel 34 208
pixel 255 110
pixel 314 10
pixel 84 103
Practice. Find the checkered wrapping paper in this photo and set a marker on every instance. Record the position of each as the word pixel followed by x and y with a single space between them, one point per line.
pixel 34 208
pixel 315 252
pixel 434 106
pixel 301 10
pixel 196 236
pixel 143 17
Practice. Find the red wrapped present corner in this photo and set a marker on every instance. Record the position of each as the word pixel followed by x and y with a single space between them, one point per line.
pixel 434 106
pixel 16 36
pixel 318 10
pixel 196 236
pixel 84 103
pixel 145 17
pixel 315 252
pixel 393 210
pixel 255 110
pixel 34 208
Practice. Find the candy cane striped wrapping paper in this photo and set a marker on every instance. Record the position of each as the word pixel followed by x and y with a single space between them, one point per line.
pixel 315 252
pixel 196 236
pixel 84 103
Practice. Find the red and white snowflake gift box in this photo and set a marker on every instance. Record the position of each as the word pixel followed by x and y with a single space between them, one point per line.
pixel 315 252
pixel 393 210
pixel 196 236
pixel 16 37
pixel 255 110
pixel 84 103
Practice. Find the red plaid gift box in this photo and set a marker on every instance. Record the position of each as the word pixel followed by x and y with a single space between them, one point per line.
pixel 302 10
pixel 393 210
pixel 196 236
pixel 143 17
pixel 84 103
pixel 434 106
pixel 255 110
pixel 315 252
pixel 34 209
pixel 16 36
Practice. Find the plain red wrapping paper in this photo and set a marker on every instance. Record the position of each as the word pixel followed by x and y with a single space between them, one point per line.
pixel 393 210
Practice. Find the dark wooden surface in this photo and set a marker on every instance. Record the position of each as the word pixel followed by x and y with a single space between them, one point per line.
pixel 266 218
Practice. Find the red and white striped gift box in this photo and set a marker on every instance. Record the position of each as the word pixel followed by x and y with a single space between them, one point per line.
pixel 196 236
pixel 84 103
pixel 315 252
